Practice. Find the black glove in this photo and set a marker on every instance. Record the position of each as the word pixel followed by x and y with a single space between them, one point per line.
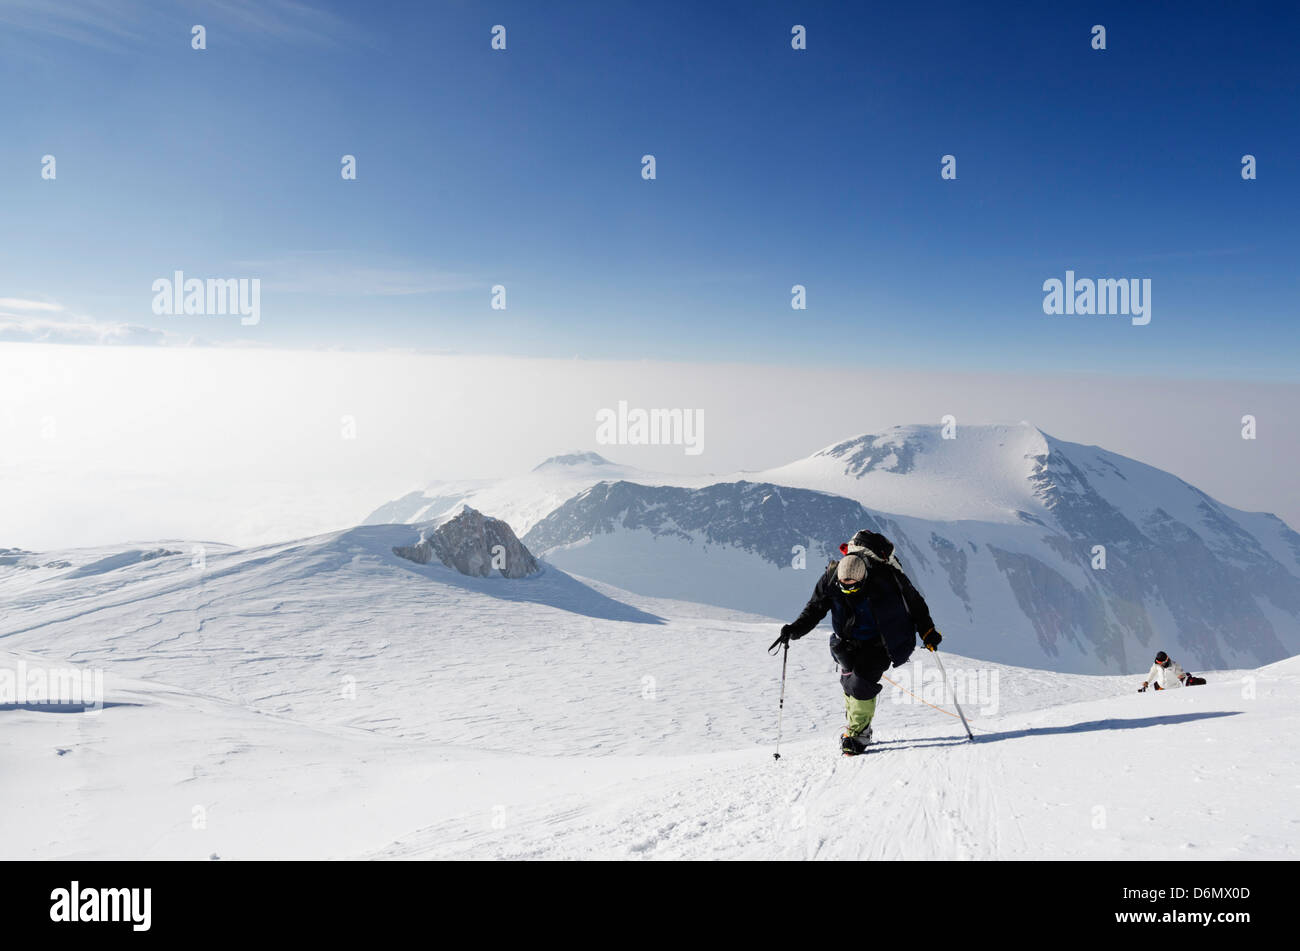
pixel 931 639
pixel 787 635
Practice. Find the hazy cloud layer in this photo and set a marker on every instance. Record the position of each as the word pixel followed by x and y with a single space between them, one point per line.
pixel 104 444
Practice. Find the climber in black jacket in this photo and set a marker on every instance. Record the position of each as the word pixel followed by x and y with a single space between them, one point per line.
pixel 876 616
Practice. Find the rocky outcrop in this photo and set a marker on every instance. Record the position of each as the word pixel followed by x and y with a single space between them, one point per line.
pixel 473 544
pixel 758 517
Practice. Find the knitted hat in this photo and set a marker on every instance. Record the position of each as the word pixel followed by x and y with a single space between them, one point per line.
pixel 851 570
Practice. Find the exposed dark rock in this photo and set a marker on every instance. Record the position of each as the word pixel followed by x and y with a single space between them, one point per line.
pixel 759 517
pixel 473 544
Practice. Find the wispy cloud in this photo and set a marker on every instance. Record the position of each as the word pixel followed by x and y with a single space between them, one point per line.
pixel 35 321
pixel 122 25
pixel 19 303
pixel 283 19
pixel 103 24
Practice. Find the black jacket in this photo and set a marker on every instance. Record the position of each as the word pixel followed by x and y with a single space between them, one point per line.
pixel 887 606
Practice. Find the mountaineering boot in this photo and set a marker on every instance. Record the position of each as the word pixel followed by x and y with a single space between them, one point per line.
pixel 855 745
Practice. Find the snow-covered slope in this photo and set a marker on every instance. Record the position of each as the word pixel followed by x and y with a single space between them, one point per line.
pixel 326 698
pixel 1070 780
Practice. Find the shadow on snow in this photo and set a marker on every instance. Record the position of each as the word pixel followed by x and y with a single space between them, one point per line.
pixel 551 587
pixel 39 707
pixel 1091 726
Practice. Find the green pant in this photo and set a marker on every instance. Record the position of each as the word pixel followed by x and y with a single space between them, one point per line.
pixel 858 714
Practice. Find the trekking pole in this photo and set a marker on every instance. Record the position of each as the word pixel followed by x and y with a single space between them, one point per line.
pixel 944 674
pixel 780 711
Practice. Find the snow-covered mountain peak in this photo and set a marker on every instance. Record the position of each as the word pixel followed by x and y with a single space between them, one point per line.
pixel 901 449
pixel 522 500
pixel 571 460
pixel 968 472
pixel 1037 549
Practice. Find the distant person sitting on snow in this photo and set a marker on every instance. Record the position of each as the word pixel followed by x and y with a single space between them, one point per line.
pixel 1165 674
pixel 876 615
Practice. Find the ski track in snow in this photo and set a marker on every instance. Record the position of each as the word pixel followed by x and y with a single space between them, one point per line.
pixel 922 796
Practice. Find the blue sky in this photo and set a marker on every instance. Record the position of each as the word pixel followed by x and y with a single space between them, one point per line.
pixel 775 167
